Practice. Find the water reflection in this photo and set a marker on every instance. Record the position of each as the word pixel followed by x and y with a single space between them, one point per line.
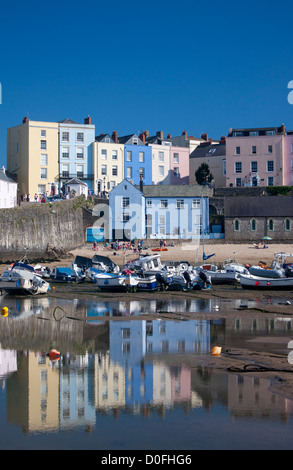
pixel 145 367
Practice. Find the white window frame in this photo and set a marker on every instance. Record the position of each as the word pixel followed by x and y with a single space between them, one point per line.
pixel 141 157
pixel 80 137
pixel 80 153
pixel 164 203
pixel 44 159
pixel 65 136
pixel 44 173
pixel 43 145
pixel 65 152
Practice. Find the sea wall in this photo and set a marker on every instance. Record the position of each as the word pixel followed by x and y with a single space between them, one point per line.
pixel 42 230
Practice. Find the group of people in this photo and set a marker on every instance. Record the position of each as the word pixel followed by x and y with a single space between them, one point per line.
pixel 135 245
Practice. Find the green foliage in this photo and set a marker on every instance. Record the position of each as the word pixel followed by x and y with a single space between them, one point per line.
pixel 279 190
pixel 203 175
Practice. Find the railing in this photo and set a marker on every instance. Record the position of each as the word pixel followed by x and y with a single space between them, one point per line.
pixel 81 176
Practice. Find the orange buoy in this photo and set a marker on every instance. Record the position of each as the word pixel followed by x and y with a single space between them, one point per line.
pixel 216 351
pixel 54 355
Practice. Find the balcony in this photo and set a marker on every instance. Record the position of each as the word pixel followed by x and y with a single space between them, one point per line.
pixel 65 175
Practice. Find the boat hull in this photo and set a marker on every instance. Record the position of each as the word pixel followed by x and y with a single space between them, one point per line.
pixel 261 283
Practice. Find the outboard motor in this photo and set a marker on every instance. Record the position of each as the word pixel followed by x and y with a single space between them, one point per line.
pixel 187 278
pixel 204 278
pixel 162 279
pixel 289 271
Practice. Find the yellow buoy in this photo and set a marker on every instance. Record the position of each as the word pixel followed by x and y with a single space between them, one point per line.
pixel 4 312
pixel 216 351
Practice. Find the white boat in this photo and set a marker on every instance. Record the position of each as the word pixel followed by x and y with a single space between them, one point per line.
pixel 248 281
pixel 21 278
pixel 276 270
pixel 227 274
pixel 116 282
pixel 147 265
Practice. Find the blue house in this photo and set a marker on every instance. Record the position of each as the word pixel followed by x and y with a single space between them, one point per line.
pixel 75 152
pixel 137 159
pixel 158 211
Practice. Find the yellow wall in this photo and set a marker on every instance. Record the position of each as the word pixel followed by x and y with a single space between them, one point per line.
pixel 24 155
pixel 98 161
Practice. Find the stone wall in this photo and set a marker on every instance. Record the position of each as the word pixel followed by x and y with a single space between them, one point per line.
pixel 42 230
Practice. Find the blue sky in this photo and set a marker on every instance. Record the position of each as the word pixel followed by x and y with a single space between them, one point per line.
pixel 159 65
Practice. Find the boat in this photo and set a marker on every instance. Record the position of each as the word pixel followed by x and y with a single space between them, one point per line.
pixel 64 274
pixel 276 270
pixel 227 274
pixel 145 264
pixel 148 283
pixel 186 277
pixel 105 261
pixel 248 281
pixel 117 282
pixel 21 278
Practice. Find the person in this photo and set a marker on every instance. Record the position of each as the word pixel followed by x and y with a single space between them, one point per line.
pixel 95 245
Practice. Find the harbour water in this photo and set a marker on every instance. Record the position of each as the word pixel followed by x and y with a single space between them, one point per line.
pixel 128 384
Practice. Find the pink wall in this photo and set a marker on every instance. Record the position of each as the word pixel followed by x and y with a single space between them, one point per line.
pixel 183 165
pixel 288 160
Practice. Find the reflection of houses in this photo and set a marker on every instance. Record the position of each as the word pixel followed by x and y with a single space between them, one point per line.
pixel 158 211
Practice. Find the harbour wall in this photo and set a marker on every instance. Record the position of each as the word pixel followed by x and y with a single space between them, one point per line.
pixel 43 231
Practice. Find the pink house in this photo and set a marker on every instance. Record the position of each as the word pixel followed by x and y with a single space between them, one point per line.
pixel 288 160
pixel 179 165
pixel 258 157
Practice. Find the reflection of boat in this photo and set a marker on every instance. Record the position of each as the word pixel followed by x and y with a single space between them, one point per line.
pixel 116 282
pixel 21 278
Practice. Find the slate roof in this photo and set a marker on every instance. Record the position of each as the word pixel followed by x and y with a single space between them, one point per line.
pixel 209 150
pixel 260 130
pixel 101 138
pixel 258 206
pixel 4 177
pixel 124 139
pixel 175 190
pixel 68 121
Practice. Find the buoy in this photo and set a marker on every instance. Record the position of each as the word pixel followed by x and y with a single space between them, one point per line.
pixel 4 312
pixel 54 355
pixel 216 351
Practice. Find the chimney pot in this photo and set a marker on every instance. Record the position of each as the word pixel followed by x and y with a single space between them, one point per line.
pixel 115 137
pixel 25 119
pixel 204 136
pixel 88 120
pixel 142 137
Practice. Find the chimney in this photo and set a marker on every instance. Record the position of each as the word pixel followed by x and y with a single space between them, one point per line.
pixel 169 136
pixel 88 120
pixel 160 134
pixel 185 134
pixel 25 119
pixel 115 137
pixel 141 183
pixel 3 169
pixel 142 137
pixel 223 140
pixel 283 129
pixel 205 136
pixel 147 134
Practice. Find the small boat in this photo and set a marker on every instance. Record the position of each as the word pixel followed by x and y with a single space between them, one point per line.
pixel 228 274
pixel 276 270
pixel 148 283
pixel 117 282
pixel 64 274
pixel 107 262
pixel 21 278
pixel 248 281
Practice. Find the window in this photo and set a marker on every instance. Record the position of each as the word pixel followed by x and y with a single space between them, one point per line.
pixel 129 172
pixel 270 181
pixel 253 167
pixel 43 145
pixel 43 173
pixel 79 137
pixel 125 333
pixel 44 159
pixel 253 225
pixel 79 152
pixel 176 157
pixel 176 172
pixel 141 172
pixel 195 203
pixel 104 154
pixel 161 156
pixel 41 188
pixel 270 225
pixel 237 151
pixel 125 217
pixel 180 203
pixel 164 204
pixel 104 169
pixel 141 157
pixel 114 170
pixel 238 182
pixel 238 167
pixel 253 133
pixel 253 149
pixel 65 152
pixel 161 170
pixel 65 171
pixel 287 225
pixel 270 149
pixel 65 136
pixel 114 155
pixel 236 225
pixel 149 203
pixel 161 220
pixel 43 133
pixel 128 156
pixel 125 202
pixel 135 141
pixel 270 165
pixel 79 171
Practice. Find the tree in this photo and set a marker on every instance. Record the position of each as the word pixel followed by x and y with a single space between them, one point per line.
pixel 203 175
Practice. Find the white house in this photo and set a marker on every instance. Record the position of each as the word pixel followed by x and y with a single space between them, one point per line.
pixel 76 187
pixel 8 191
pixel 158 211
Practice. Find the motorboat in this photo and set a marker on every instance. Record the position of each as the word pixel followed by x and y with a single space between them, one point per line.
pixel 99 260
pixel 147 265
pixel 248 281
pixel 117 282
pixel 65 274
pixel 276 270
pixel 21 278
pixel 227 274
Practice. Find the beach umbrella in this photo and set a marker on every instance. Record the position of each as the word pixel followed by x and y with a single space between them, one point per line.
pixel 266 238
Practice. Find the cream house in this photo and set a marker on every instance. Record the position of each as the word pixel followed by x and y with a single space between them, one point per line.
pixel 32 155
pixel 108 162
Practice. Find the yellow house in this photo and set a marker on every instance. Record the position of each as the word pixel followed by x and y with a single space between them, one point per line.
pixel 108 162
pixel 32 155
